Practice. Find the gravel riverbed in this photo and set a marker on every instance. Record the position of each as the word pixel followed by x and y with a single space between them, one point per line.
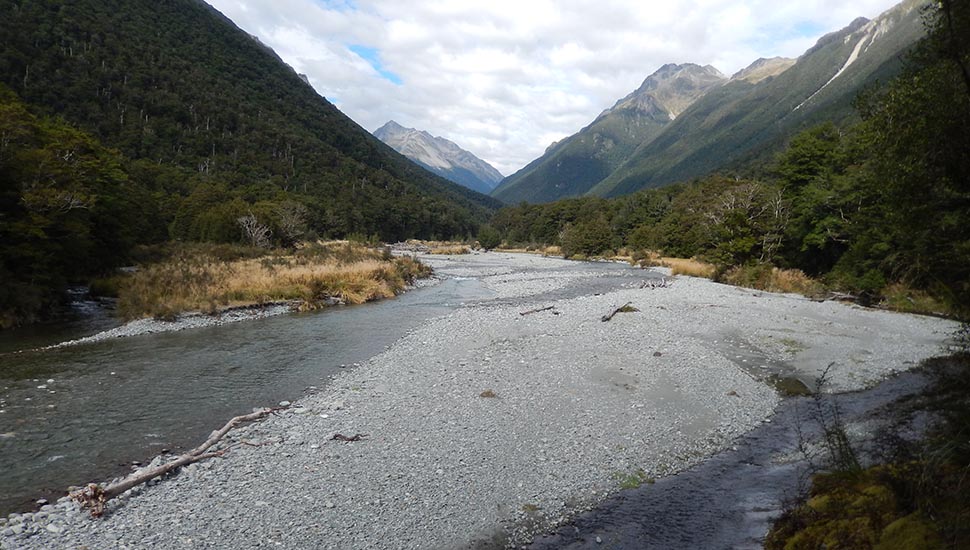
pixel 485 426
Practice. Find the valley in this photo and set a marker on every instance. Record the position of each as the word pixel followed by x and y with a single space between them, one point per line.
pixel 484 425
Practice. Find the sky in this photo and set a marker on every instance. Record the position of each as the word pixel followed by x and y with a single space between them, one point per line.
pixel 505 78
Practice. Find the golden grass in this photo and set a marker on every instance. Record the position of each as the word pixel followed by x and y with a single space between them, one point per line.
pixel 540 250
pixel 687 266
pixel 313 276
pixel 773 279
pixel 451 250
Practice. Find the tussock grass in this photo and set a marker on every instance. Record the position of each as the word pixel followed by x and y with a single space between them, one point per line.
pixel 899 297
pixel 773 279
pixel 451 250
pixel 313 276
pixel 533 249
pixel 691 267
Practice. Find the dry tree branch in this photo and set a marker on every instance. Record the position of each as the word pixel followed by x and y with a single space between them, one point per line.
pixel 94 496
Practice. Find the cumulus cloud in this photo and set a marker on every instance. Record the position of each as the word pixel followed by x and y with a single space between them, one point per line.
pixel 505 78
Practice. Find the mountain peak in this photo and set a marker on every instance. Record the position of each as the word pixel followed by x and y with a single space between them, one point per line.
pixel 440 156
pixel 763 68
pixel 674 87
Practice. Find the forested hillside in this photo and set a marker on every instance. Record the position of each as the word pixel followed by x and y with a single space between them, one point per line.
pixel 882 202
pixel 202 125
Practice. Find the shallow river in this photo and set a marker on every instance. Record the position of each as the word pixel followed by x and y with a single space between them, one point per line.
pixel 121 400
pixel 83 413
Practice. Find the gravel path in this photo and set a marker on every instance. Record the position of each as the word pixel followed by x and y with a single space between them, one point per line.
pixel 483 426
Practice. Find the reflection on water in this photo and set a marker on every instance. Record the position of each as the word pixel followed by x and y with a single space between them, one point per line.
pixel 82 413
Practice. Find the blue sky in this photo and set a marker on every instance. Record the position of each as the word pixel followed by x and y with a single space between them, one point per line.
pixel 373 57
pixel 505 78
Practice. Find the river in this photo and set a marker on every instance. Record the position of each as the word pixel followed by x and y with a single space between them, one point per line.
pixel 579 403
pixel 82 413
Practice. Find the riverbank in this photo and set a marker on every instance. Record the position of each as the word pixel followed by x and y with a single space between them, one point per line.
pixel 211 279
pixel 485 425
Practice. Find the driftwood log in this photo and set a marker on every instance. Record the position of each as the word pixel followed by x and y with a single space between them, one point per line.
pixel 94 497
pixel 531 311
pixel 622 308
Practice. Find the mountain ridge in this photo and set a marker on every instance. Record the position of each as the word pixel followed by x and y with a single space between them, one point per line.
pixel 734 124
pixel 441 156
pixel 579 161
pixel 744 122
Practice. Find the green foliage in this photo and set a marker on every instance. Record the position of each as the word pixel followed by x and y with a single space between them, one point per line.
pixel 488 237
pixel 68 209
pixel 868 206
pixel 135 122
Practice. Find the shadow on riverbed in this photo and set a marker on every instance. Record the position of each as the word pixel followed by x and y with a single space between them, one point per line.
pixel 730 500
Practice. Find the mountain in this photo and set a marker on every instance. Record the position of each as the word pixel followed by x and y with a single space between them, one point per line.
pixel 214 124
pixel 764 68
pixel 574 165
pixel 440 156
pixel 743 123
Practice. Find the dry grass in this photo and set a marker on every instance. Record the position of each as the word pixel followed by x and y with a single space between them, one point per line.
pixel 541 250
pixel 687 266
pixel 773 279
pixel 678 266
pixel 451 250
pixel 316 274
pixel 899 297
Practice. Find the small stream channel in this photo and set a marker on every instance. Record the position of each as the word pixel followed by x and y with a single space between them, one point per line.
pixel 730 500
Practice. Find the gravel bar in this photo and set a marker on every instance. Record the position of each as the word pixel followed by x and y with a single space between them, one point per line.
pixel 485 426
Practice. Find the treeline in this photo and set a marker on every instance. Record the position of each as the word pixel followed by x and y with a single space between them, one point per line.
pixel 139 122
pixel 886 200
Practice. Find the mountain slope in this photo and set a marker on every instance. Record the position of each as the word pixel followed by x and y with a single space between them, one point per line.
pixel 441 156
pixel 214 121
pixel 577 163
pixel 742 122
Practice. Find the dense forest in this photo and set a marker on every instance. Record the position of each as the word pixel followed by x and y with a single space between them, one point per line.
pixel 126 123
pixel 886 200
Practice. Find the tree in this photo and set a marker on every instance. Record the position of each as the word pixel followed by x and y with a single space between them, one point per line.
pixel 257 234
pixel 489 237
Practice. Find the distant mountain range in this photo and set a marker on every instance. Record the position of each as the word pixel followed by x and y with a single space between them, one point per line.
pixel 687 121
pixel 440 156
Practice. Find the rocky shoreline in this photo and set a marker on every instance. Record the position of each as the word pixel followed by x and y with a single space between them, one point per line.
pixel 195 319
pixel 485 426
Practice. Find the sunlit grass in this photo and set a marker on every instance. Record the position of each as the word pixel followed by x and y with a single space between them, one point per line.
pixel 311 277
pixel 773 279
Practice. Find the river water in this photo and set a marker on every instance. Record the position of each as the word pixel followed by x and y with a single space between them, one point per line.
pixel 84 413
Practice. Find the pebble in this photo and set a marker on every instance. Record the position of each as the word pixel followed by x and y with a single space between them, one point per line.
pixel 438 466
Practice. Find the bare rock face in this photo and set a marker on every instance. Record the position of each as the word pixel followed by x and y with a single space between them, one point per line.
pixel 763 68
pixel 440 156
pixel 674 87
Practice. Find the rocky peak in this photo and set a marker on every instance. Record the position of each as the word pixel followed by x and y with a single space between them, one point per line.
pixel 441 156
pixel 763 68
pixel 671 89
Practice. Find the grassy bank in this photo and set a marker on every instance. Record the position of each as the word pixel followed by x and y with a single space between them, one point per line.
pixel 916 500
pixel 209 279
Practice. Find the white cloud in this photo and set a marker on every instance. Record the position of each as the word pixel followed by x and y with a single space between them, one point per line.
pixel 505 78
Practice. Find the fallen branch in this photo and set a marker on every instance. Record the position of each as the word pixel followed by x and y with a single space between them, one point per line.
pixel 531 311
pixel 625 308
pixel 654 284
pixel 94 496
pixel 342 437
